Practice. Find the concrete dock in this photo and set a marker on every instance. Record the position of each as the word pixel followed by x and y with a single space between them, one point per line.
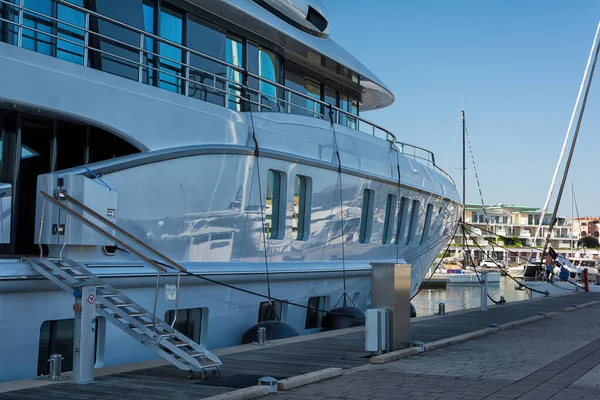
pixel 531 349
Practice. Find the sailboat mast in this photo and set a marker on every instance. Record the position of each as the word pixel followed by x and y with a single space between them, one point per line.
pixel 573 142
pixel 464 191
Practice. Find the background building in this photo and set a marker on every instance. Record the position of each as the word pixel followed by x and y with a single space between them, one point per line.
pixel 513 228
pixel 586 226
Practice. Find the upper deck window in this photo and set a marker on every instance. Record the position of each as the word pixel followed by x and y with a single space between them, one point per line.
pixel 267 65
pixel 152 47
pixel 171 28
pixel 214 42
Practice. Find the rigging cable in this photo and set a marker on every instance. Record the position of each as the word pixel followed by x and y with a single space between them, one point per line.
pixel 511 252
pixel 487 219
pixel 250 292
pixel 339 171
pixel 470 257
pixel 564 146
pixel 439 263
pixel 572 150
pixel 262 210
pixel 578 220
pixel 398 201
pixel 468 232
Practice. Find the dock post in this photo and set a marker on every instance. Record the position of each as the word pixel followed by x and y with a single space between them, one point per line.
pixel 85 334
pixel 484 290
pixel 390 289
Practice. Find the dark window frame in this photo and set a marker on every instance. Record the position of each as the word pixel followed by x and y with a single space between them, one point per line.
pixel 315 313
pixel 414 220
pixel 189 330
pixel 388 223
pixel 366 218
pixel 427 225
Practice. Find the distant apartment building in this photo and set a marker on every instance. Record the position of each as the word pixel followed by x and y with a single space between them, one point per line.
pixel 586 226
pixel 508 230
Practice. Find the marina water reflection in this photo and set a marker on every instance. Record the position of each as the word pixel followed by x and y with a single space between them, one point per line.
pixel 459 297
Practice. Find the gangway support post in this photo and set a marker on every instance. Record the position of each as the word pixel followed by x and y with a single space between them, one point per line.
pixel 484 290
pixel 84 346
pixel 391 289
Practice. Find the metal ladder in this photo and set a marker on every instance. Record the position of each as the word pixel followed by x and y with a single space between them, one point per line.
pixel 132 318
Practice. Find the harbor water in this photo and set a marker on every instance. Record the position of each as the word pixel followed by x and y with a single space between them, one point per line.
pixel 460 297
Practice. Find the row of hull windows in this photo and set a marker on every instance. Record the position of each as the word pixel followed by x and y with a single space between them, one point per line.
pixel 57 336
pixel 275 207
pixel 405 219
pixel 115 50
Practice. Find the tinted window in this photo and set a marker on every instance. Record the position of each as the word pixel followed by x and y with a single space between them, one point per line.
pixel 266 64
pixel 57 336
pixel 314 313
pixel 70 49
pixel 330 98
pixel 301 217
pixel 390 212
pixel 131 12
pixel 171 28
pixel 209 40
pixel 427 223
pixel 8 32
pixel 188 322
pixel 302 105
pixel 366 219
pixel 414 221
pixel 274 200
pixel 402 217
pixel 270 312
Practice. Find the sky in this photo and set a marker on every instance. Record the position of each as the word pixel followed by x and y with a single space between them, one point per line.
pixel 516 67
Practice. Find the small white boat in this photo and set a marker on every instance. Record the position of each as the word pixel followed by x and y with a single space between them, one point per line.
pixel 457 276
pixel 576 266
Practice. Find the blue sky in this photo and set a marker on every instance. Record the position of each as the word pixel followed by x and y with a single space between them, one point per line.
pixel 518 66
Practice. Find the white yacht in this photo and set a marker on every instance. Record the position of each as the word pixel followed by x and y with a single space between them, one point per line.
pixel 219 138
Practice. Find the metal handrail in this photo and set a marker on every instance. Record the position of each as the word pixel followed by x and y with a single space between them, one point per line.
pixel 155 264
pixel 230 86
pixel 122 231
pixel 100 231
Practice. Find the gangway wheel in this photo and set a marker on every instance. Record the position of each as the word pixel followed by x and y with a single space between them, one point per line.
pixel 216 374
pixel 189 374
pixel 202 375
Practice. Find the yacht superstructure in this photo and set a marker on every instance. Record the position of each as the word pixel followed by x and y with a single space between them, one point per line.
pixel 216 132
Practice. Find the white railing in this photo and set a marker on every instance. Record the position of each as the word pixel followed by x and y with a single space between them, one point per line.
pixel 182 71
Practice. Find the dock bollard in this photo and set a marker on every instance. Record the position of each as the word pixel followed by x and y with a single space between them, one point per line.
pixel 262 335
pixel 442 308
pixel 268 381
pixel 419 345
pixel 484 305
pixel 55 361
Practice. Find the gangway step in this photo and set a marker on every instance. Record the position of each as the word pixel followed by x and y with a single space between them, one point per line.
pixel 129 316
